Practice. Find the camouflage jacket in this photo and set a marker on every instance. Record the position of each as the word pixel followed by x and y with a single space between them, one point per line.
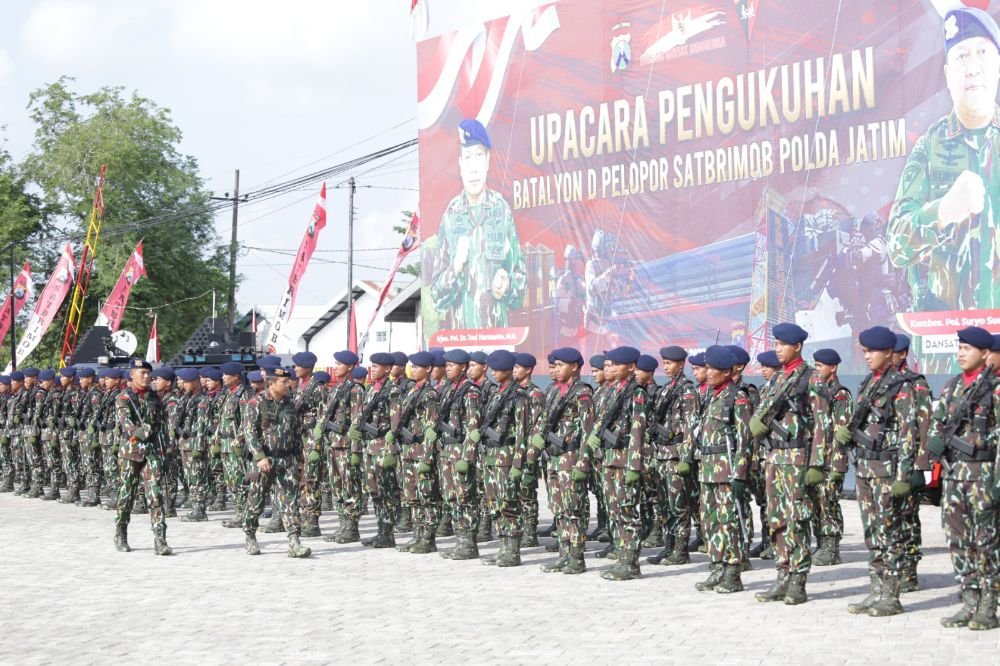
pixel 50 419
pixel 271 428
pixel 535 407
pixel 72 403
pixel 108 418
pixel 206 420
pixel 627 426
pixel 504 427
pixel 346 399
pixel 573 419
pixel 87 414
pixel 601 394
pixel 461 399
pixel 673 415
pixel 231 406
pixel 4 399
pixel 34 418
pixel 466 296
pixel 140 422
pixel 417 411
pixel 791 410
pixel 723 441
pixel 958 267
pixel 923 403
pixel 309 401
pixel 191 439
pixel 890 424
pixel 978 426
pixel 16 406
pixel 377 406
pixel 840 407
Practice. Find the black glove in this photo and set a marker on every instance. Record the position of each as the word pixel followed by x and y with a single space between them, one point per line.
pixel 740 489
pixel 917 481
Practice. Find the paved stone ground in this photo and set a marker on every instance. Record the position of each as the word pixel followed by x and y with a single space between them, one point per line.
pixel 69 597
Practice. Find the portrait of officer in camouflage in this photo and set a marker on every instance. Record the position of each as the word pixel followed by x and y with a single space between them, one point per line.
pixel 943 224
pixel 963 437
pixel 478 273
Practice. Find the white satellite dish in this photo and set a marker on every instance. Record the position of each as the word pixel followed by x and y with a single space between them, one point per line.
pixel 125 341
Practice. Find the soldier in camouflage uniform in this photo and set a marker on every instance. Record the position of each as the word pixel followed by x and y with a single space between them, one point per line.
pixel 618 436
pixel 271 431
pixel 828 519
pixel 35 429
pixel 69 444
pixel 699 373
pixel 209 409
pixel 163 383
pixel 381 458
pixel 881 431
pixel 108 427
pixel 309 400
pixel 478 375
pixel 722 441
pixel 235 395
pixel 922 405
pixel 651 531
pixel 603 387
pixel 478 274
pixel 672 415
pixel 6 449
pixel 530 478
pixel 752 393
pixel 143 447
pixel 343 407
pixel 404 523
pixel 559 438
pixel 193 442
pixel 769 365
pixel 942 227
pixel 787 419
pixel 963 436
pixel 458 437
pixel 88 435
pixel 524 367
pixel 412 430
pixel 15 416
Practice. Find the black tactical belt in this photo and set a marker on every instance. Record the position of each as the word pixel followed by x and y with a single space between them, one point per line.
pixel 790 444
pixel 711 450
pixel 280 454
pixel 559 450
pixel 870 454
pixel 979 455
pixel 490 444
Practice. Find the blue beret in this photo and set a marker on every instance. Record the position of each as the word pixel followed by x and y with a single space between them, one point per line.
pixel 68 372
pixel 647 363
pixel 46 375
pixel 791 334
pixel 104 373
pixel 270 359
pixel 527 360
pixel 769 359
pixel 697 359
pixel 673 353
pixel 719 357
pixel 622 355
pixel 976 336
pixel 501 359
pixel 480 357
pixel 359 373
pixel 187 374
pixel 211 373
pixel 472 132
pixel 346 357
pixel 136 363
pixel 164 372
pixel 961 24
pixel 422 359
pixel 551 358
pixel 255 376
pixel 877 337
pixel 740 355
pixel 304 359
pixel 4 379
pixel 902 342
pixel 827 356
pixel 322 376
pixel 456 356
pixel 276 371
pixel 383 358
pixel 85 372
pixel 568 355
pixel 438 355
pixel 30 372
pixel 996 343
pixel 17 376
pixel 399 358
pixel 231 368
pixel 597 361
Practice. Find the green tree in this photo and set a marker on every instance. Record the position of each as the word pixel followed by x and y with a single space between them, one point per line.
pixel 152 192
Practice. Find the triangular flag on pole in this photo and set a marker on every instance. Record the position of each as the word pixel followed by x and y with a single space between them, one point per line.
pixel 352 332
pixel 153 348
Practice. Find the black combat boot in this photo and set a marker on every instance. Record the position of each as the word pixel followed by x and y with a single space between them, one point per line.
pixel 72 495
pixel 250 545
pixel 908 581
pixel 874 594
pixel 310 526
pixel 778 589
pixel 350 532
pixel 985 617
pixel 970 602
pixel 828 553
pixel 444 527
pixel 715 573
pixel 295 547
pixel 90 498
pixel 218 502
pixel 561 563
pixel 341 523
pixel 668 548
pixel 510 556
pixel 197 514
pixel 544 532
pixel 731 580
pixel 491 560
pixel 326 500
pixel 274 525
pixel 140 508
pixel 418 530
pixel 385 538
pixel 160 546
pixel 796 593
pixel 888 602
pixel 8 483
pixel 427 540
pixel 52 494
pixel 608 552
pixel 626 568
pixel 467 548
pixel 680 554
pixel 121 539
pixel 696 544
pixel 601 529
pixel 655 537
pixel 236 521
pixel 575 565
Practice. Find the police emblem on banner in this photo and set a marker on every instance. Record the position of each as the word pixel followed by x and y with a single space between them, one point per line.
pixel 621 47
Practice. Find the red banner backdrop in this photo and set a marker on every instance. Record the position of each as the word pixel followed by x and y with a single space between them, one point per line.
pixel 22 290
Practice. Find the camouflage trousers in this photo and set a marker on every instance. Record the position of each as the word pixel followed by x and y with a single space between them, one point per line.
pixel 6 458
pixel 723 537
pixel 694 500
pixel 789 511
pixel 234 468
pixel 569 505
pixel 91 463
pixel 284 478
pixel 382 485
pixel 971 530
pixel 623 508
pixel 828 518
pixel 758 490
pixel 311 495
pixel 19 460
pixel 215 472
pixel 70 449
pixel 674 494
pixel 528 496
pixel 34 450
pixel 502 500
pixel 150 474
pixel 650 501
pixel 345 483
pixel 597 487
pixel 421 493
pixel 881 518
pixel 912 536
pixel 109 461
pixel 196 471
pixel 52 449
pixel 460 496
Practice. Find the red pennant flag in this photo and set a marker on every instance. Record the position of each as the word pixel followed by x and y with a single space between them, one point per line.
pixel 411 241
pixel 114 307
pixel 48 304
pixel 153 348
pixel 22 290
pixel 352 332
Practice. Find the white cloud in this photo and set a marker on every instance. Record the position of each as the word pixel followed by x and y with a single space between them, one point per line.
pixel 6 66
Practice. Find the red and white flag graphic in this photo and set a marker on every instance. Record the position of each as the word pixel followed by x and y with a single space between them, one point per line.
pixel 22 290
pixel 411 241
pixel 48 304
pixel 153 348
pixel 114 307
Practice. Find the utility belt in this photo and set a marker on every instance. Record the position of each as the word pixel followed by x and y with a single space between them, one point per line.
pixel 778 444
pixel 450 435
pixel 863 453
pixel 407 437
pixel 713 450
pixel 493 439
pixel 371 432
pixel 613 440
pixel 962 450
pixel 557 446
pixel 280 453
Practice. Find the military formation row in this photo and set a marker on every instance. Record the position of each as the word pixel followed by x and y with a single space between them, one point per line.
pixel 440 448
